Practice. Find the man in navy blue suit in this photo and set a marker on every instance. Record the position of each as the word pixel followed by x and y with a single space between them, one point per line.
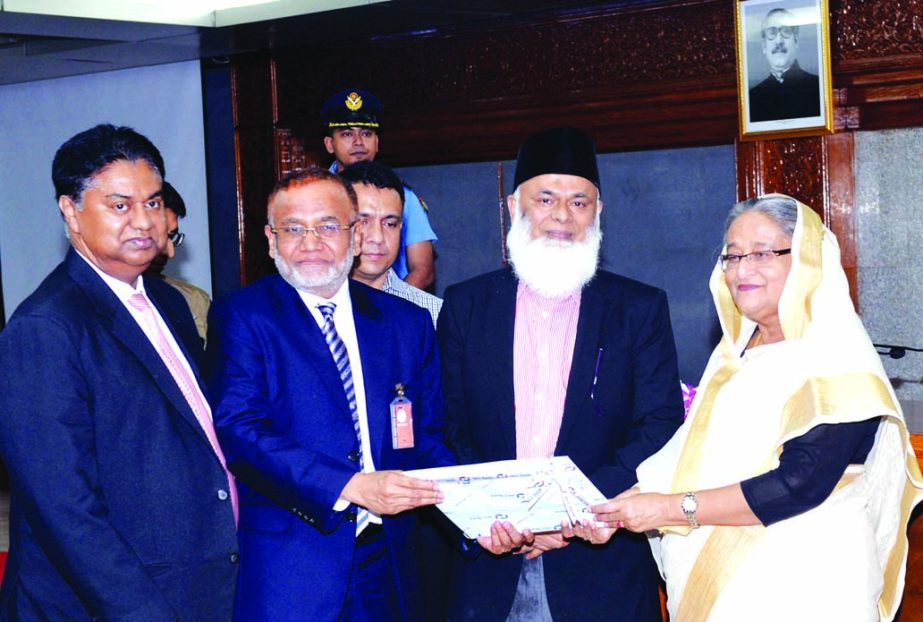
pixel 558 358
pixel 121 506
pixel 304 369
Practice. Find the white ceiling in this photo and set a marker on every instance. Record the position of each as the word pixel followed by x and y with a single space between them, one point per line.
pixel 205 13
pixel 41 39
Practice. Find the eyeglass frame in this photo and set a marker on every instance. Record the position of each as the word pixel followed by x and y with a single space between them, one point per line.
pixel 176 237
pixel 333 228
pixel 779 30
pixel 770 253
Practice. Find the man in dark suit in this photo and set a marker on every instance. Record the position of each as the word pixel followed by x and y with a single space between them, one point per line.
pixel 558 358
pixel 121 506
pixel 304 369
pixel 788 92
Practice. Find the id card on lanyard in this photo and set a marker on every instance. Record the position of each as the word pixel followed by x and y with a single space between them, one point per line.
pixel 401 420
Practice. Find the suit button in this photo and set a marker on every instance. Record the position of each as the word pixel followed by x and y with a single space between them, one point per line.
pixel 223 495
pixel 351 517
pixel 234 558
pixel 353 456
pixel 311 520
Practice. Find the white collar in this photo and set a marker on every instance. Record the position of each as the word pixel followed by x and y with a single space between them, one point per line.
pixel 341 298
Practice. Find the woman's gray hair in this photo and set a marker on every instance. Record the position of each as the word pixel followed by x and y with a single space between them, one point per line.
pixel 781 209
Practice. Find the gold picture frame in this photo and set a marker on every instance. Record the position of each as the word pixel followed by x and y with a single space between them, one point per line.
pixel 784 85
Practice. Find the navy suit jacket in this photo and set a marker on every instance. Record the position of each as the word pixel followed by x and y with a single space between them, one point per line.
pixel 116 493
pixel 288 435
pixel 625 358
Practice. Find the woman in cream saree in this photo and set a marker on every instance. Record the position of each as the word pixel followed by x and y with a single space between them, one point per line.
pixel 729 545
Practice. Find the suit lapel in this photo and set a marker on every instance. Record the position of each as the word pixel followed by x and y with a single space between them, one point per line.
pixel 306 337
pixel 125 329
pixel 583 365
pixel 168 311
pixel 376 359
pixel 499 332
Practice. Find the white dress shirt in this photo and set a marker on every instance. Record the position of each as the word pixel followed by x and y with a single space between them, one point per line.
pixel 123 292
pixel 346 329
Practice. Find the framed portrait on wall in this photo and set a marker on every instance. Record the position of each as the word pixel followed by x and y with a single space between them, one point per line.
pixel 783 68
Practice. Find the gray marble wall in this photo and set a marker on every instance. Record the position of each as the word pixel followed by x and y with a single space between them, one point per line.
pixel 889 195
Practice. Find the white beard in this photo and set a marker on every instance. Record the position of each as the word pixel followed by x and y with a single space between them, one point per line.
pixel 553 268
pixel 330 279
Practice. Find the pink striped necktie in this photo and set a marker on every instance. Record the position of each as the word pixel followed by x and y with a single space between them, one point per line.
pixel 186 383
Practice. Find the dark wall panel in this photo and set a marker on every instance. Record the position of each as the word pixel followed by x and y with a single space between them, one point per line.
pixel 464 212
pixel 663 224
pixel 222 182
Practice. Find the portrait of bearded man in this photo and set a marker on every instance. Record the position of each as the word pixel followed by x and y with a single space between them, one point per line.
pixel 788 92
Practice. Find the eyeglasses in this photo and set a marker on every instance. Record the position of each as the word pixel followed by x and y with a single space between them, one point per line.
pixel 176 237
pixel 772 32
pixel 760 258
pixel 296 233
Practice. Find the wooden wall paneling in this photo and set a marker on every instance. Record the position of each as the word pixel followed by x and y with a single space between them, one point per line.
pixel 877 55
pixel 916 441
pixel 840 206
pixel 818 171
pixel 472 93
pixel 257 169
pixel 793 166
pixel 291 154
pixel 887 31
pixel 879 98
pixel 616 72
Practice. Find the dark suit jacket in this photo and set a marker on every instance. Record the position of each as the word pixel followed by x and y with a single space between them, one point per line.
pixel 116 513
pixel 283 420
pixel 624 341
pixel 797 96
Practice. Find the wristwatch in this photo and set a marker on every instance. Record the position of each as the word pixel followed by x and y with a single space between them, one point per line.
pixel 689 505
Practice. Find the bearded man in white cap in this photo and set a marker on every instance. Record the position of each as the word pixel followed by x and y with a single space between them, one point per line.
pixel 555 358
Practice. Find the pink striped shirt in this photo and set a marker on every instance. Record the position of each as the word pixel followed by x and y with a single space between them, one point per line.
pixel 543 349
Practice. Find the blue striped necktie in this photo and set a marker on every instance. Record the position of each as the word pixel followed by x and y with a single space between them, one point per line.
pixel 341 359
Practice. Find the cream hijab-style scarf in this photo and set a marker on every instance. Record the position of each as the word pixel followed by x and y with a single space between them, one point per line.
pixel 844 382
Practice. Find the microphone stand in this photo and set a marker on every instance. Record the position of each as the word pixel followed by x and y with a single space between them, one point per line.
pixel 895 352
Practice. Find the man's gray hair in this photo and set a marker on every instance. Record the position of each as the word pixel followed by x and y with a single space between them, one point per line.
pixel 781 209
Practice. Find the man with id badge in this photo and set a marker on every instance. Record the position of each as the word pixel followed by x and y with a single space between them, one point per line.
pixel 324 391
pixel 557 358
